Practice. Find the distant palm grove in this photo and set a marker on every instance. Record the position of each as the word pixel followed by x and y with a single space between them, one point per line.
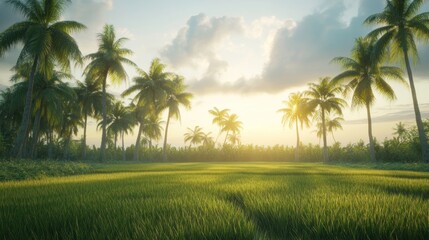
pixel 42 112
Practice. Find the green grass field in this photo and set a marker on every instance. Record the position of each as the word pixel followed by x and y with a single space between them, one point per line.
pixel 219 201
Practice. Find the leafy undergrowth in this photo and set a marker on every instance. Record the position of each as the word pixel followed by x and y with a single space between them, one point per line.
pixel 219 201
pixel 26 169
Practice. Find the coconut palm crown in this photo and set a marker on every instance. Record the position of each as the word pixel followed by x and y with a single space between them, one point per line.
pixel 45 40
pixel 400 26
pixel 363 76
pixel 108 63
pixel 296 111
pixel 322 97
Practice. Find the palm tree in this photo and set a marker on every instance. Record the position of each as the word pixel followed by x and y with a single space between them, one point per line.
pixel 219 117
pixel 106 63
pixel 234 139
pixel 45 40
pixel 113 120
pixel 207 140
pixel 70 123
pixel 11 105
pixel 231 124
pixel 365 74
pixel 90 98
pixel 332 124
pixel 49 94
pixel 295 112
pixel 140 112
pixel 175 99
pixel 400 131
pixel 194 136
pixel 120 121
pixel 322 97
pixel 401 25
pixel 127 124
pixel 151 94
pixel 152 127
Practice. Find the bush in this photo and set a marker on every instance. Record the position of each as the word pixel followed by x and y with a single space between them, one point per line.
pixel 26 169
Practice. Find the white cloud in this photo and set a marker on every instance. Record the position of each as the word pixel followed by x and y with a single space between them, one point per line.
pixel 200 38
pixel 197 45
pixel 403 112
pixel 301 52
pixel 258 27
pixel 266 28
pixel 294 52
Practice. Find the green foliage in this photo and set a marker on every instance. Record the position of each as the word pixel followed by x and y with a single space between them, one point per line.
pixel 244 153
pixel 403 148
pixel 219 201
pixel 2 145
pixel 108 63
pixel 402 26
pixel 25 169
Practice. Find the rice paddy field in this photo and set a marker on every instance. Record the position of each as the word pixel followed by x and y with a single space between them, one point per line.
pixel 218 201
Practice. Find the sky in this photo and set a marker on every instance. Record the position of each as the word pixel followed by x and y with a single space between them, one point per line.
pixel 243 55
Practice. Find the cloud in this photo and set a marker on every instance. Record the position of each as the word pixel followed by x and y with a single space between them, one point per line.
pixel 267 27
pixel 200 38
pixel 297 52
pixel 403 112
pixel 209 82
pixel 196 45
pixel 257 27
pixel 302 54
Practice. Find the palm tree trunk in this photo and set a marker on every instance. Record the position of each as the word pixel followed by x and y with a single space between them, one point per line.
pixel 297 142
pixel 116 140
pixel 217 138
pixel 25 121
pixel 333 137
pixel 66 146
pixel 164 152
pixel 123 147
pixel 325 144
pixel 84 136
pixel 420 127
pixel 137 147
pixel 50 146
pixel 226 137
pixel 104 112
pixel 371 138
pixel 36 127
pixel 47 142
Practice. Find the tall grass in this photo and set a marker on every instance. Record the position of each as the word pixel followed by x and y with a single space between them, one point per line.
pixel 219 201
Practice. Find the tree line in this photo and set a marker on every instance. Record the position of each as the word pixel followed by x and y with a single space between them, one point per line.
pixel 41 108
pixel 54 109
pixel 400 25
